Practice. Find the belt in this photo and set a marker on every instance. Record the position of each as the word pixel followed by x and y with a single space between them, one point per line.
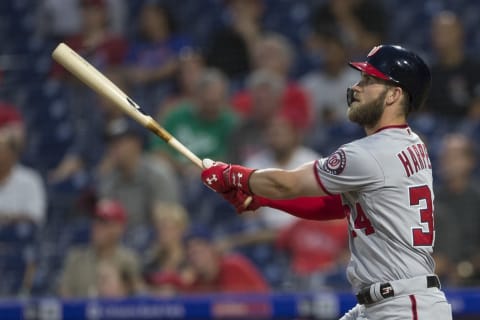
pixel 379 291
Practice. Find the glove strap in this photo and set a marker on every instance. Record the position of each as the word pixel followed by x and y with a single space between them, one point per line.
pixel 239 178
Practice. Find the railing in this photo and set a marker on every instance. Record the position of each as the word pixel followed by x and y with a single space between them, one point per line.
pixel 322 305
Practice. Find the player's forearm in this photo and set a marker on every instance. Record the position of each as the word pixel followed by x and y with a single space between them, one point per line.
pixel 285 184
pixel 275 184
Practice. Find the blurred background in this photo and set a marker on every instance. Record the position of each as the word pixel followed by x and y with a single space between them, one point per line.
pixel 94 206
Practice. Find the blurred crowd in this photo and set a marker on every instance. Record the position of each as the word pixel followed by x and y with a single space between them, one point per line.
pixel 115 212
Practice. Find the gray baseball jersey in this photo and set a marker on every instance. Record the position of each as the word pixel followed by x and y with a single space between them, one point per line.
pixel 385 181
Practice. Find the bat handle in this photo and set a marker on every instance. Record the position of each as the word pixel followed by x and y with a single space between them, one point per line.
pixel 185 151
pixel 153 126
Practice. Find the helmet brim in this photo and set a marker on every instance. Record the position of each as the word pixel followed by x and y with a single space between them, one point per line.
pixel 369 69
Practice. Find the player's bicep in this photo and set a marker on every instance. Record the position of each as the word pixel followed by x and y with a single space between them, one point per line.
pixel 350 168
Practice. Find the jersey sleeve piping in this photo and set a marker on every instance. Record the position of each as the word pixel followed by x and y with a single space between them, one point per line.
pixel 319 180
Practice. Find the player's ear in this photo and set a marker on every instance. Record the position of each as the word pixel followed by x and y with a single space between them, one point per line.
pixel 394 94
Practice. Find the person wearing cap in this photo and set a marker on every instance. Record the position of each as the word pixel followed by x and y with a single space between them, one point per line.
pixel 140 182
pixel 23 198
pixel 382 184
pixel 22 191
pixel 79 276
pixel 212 271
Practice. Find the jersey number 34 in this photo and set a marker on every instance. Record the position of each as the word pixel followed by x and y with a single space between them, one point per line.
pixel 422 236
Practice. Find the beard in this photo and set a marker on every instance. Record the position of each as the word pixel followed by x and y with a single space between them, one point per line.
pixel 368 114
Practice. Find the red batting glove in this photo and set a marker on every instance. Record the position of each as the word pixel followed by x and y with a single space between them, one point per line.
pixel 238 198
pixel 222 177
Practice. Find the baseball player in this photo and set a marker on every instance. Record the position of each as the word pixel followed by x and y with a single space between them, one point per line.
pixel 381 183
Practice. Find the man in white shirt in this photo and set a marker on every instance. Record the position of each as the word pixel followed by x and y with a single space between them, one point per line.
pixel 22 193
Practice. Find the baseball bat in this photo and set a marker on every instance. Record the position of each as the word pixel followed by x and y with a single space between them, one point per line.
pixel 93 78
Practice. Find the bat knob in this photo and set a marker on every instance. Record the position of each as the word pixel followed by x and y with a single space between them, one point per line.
pixel 207 163
pixel 247 202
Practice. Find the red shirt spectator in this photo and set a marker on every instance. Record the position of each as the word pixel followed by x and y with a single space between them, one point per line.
pixel 294 102
pixel 213 272
pixel 95 43
pixel 235 274
pixel 273 53
pixel 314 245
pixel 108 52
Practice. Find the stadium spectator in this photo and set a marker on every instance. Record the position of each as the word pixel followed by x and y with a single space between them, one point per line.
pixel 191 65
pixel 79 276
pixel 22 192
pixel 212 271
pixel 455 76
pixel 106 51
pixel 471 125
pixel 59 19
pixel 152 58
pixel 457 203
pixel 203 125
pixel 362 24
pixel 95 41
pixel 266 90
pixel 140 182
pixel 318 253
pixel 283 136
pixel 114 281
pixel 231 47
pixel 87 152
pixel 23 199
pixel 326 85
pixel 165 260
pixel 275 53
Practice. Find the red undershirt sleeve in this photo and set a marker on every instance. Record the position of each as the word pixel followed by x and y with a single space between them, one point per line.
pixel 312 208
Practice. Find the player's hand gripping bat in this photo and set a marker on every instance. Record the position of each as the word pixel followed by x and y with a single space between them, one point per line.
pixel 93 78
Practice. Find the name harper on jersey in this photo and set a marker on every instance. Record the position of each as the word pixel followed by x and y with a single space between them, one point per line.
pixel 414 158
